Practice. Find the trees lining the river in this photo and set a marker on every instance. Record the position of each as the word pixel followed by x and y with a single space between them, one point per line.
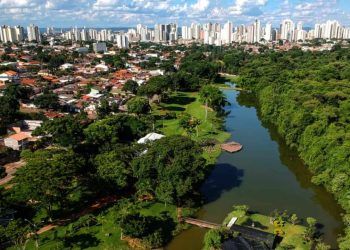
pixel 307 96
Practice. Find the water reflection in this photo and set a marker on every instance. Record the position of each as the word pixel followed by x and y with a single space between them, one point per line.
pixel 266 175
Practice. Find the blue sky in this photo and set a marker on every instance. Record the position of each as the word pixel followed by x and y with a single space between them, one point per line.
pixel 126 13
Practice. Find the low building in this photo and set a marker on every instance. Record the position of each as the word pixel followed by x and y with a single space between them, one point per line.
pixel 9 76
pixel 99 47
pixel 17 141
pixel 66 66
pixel 101 68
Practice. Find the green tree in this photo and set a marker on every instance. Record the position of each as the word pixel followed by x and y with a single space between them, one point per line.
pixel 294 219
pixel 47 100
pixel 172 166
pixel 138 106
pixel 214 238
pixel 112 169
pixel 115 129
pixel 103 109
pixel 17 232
pixel 50 178
pixel 66 131
pixel 212 97
pixel 189 123
pixel 310 231
pixel 157 85
pixel 8 111
pixel 131 86
pixel 55 62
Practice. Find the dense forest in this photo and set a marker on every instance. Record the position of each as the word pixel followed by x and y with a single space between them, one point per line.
pixel 306 95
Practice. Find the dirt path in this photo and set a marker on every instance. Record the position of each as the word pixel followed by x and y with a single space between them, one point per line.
pixel 11 169
pixel 93 207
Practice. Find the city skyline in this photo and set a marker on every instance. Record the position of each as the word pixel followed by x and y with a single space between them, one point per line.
pixel 208 33
pixel 122 13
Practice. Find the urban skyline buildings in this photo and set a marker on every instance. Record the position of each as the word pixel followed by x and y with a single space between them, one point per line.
pixel 209 33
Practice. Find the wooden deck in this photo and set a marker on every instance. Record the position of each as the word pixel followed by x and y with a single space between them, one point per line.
pixel 201 223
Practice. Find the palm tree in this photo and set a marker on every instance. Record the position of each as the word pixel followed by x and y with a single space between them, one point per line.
pixel 205 97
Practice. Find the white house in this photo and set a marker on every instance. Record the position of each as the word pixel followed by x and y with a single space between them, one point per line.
pixel 66 66
pixel 9 76
pixel 150 137
pixel 101 68
pixel 17 141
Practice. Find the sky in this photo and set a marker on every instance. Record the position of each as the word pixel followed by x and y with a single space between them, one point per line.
pixel 128 13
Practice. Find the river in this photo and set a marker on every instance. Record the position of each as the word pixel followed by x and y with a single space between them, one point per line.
pixel 266 175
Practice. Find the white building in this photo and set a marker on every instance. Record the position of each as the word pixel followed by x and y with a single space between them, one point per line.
pixel 226 34
pixel 287 30
pixel 33 33
pixel 122 41
pixel 11 34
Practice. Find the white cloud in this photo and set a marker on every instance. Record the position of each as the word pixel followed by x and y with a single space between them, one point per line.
pixel 107 13
pixel 241 6
pixel 105 3
pixel 12 3
pixel 200 5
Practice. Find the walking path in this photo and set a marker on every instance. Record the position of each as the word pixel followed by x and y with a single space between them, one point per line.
pixel 11 169
pixel 95 206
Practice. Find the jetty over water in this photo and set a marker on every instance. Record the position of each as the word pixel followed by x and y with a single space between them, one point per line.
pixel 201 223
pixel 248 233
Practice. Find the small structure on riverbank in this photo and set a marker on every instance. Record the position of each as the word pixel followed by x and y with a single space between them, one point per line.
pixel 232 147
pixel 250 236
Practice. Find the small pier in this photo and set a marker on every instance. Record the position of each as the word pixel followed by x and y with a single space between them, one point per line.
pixel 201 223
pixel 246 232
pixel 232 147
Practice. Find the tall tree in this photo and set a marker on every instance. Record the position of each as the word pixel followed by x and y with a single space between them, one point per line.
pixel 49 178
pixel 171 169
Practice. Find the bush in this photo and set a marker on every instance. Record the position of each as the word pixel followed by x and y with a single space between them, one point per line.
pixel 8 155
pixel 2 172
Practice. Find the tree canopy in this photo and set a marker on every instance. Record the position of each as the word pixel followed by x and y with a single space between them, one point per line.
pixel 171 169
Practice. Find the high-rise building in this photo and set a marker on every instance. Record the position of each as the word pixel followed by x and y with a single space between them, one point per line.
pixel 11 34
pixel 287 30
pixel 226 35
pixel 33 33
pixel 268 32
pixel 122 41
pixel 257 31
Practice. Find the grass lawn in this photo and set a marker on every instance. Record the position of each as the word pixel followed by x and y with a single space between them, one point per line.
pixel 208 129
pixel 293 233
pixel 105 235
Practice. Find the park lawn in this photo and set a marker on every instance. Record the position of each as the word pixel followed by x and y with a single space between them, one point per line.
pixel 211 128
pixel 105 235
pixel 293 233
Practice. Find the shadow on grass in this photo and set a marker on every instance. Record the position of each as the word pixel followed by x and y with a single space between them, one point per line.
pixel 81 241
pixel 174 108
pixel 180 99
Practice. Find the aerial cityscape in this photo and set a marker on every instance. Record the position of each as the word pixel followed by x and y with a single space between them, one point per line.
pixel 176 125
pixel 209 33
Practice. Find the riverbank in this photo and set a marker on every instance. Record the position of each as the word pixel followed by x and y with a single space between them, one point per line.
pixel 279 229
pixel 211 128
pixel 104 232
pixel 266 175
